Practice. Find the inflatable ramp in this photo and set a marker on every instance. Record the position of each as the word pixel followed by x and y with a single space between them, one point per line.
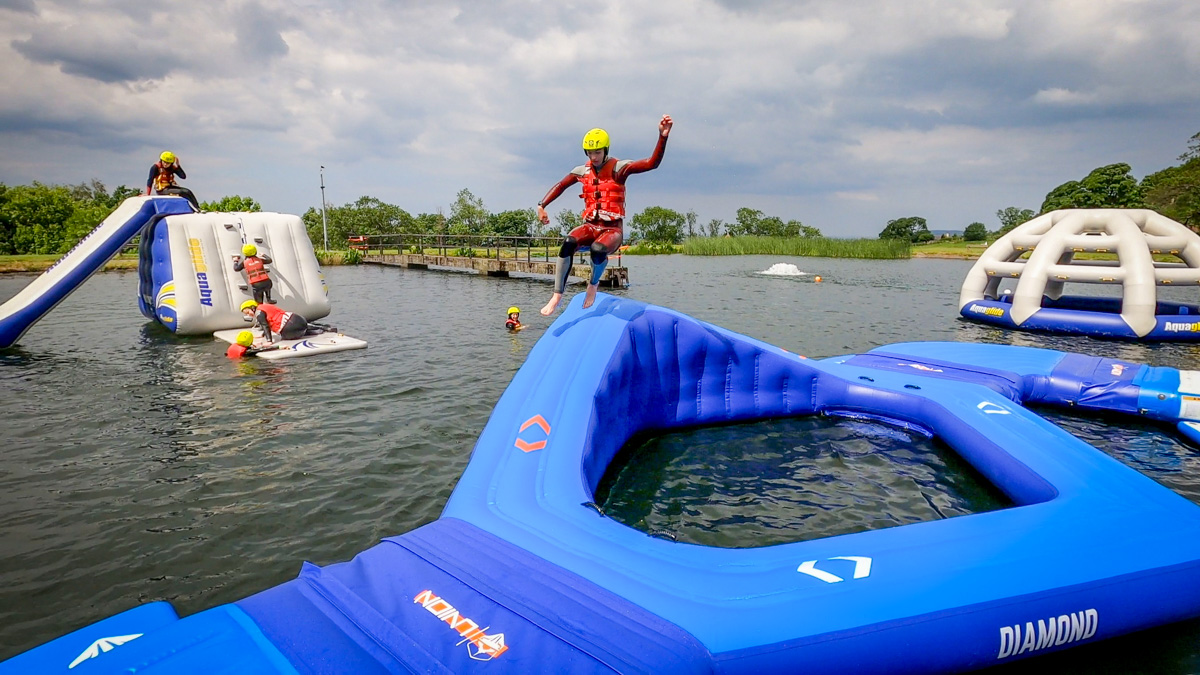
pixel 188 283
pixel 89 255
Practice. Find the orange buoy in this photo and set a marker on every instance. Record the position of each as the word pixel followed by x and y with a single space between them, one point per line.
pixel 817 279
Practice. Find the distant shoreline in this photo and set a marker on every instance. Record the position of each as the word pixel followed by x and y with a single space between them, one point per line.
pixel 39 264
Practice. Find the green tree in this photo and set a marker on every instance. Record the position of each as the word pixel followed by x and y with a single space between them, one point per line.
pixel 1109 187
pixel 714 227
pixel 1193 149
pixel 37 214
pixel 567 220
pixel 912 228
pixel 692 218
pixel 975 232
pixel 1175 192
pixel 367 216
pixel 658 224
pixel 232 204
pixel 519 223
pixel 1011 216
pixel 468 214
pixel 6 224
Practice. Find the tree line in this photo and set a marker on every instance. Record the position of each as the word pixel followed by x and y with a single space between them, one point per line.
pixel 51 219
pixel 1174 192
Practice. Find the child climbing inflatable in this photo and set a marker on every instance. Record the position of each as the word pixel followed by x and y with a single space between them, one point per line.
pixel 256 272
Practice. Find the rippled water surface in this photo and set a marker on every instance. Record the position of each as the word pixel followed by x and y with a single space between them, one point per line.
pixel 140 466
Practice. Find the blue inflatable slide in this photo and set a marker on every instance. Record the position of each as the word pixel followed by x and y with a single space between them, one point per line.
pixel 522 574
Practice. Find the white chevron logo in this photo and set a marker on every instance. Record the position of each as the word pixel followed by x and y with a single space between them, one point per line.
pixel 102 645
pixel 990 408
pixel 862 568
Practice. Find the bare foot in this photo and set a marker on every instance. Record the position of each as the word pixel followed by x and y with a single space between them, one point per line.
pixel 552 305
pixel 590 297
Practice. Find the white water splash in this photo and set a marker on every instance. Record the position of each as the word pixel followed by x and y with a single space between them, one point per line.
pixel 784 270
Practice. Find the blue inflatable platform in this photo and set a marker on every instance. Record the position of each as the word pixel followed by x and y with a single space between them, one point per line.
pixel 522 574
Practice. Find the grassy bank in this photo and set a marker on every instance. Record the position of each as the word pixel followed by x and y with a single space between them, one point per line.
pixel 13 264
pixel 879 249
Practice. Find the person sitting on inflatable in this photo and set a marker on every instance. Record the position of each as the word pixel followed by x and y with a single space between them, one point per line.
pixel 256 272
pixel 275 321
pixel 162 178
pixel 603 180
pixel 514 319
pixel 244 346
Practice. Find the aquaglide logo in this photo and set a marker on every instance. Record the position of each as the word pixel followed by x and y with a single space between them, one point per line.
pixel 197 252
pixel 988 311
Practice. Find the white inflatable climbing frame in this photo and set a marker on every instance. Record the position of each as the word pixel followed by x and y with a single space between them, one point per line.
pixel 1040 255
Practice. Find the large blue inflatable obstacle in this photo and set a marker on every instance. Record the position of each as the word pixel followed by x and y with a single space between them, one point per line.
pixel 1041 256
pixel 521 574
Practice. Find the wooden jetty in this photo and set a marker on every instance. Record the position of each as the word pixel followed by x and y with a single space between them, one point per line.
pixel 488 256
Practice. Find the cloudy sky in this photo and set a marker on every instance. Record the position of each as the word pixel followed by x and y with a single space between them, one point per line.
pixel 843 114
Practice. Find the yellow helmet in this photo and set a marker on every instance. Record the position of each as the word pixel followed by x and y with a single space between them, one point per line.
pixel 167 157
pixel 596 139
pixel 249 304
pixel 514 310
pixel 245 338
pixel 249 249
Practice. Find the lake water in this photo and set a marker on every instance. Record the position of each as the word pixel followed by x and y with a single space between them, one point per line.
pixel 140 466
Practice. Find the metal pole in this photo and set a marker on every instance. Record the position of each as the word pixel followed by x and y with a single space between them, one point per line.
pixel 324 224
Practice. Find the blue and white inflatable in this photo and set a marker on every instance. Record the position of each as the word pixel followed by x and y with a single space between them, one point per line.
pixel 521 574
pixel 188 283
pixel 1040 256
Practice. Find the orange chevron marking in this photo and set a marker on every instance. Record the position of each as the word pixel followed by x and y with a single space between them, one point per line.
pixel 526 446
pixel 530 447
pixel 538 420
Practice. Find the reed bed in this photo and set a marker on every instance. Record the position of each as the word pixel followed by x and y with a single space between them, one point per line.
pixel 822 247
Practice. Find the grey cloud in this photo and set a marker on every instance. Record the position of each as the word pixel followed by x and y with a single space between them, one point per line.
pixel 25 6
pixel 258 33
pixel 116 60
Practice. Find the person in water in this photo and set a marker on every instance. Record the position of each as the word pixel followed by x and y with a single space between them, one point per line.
pixel 603 180
pixel 244 346
pixel 276 322
pixel 162 178
pixel 256 272
pixel 514 319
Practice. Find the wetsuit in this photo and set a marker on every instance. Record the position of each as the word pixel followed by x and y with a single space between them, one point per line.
pixel 603 213
pixel 272 320
pixel 162 181
pixel 256 274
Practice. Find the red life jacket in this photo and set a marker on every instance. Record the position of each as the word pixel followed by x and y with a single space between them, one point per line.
pixel 236 351
pixel 603 197
pixel 255 271
pixel 165 177
pixel 275 317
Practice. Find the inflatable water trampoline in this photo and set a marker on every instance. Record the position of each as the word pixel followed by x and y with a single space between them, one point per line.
pixel 1041 255
pixel 521 573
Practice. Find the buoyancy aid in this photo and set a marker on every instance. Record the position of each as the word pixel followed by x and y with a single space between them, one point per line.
pixel 275 317
pixel 603 197
pixel 255 269
pixel 236 351
pixel 165 177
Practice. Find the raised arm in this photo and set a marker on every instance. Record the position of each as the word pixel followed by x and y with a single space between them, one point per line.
pixel 651 162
